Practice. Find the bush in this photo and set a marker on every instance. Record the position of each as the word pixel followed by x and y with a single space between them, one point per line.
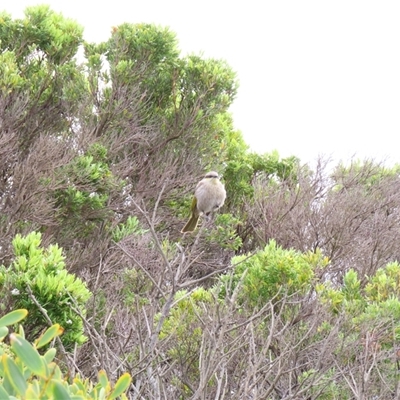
pixel 38 281
pixel 273 273
pixel 26 374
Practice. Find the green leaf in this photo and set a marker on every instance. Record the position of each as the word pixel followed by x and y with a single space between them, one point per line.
pixel 49 335
pixel 33 391
pixel 54 371
pixel 3 332
pixel 78 397
pixel 103 380
pixel 121 386
pixel 14 375
pixel 80 386
pixel 21 331
pixel 28 354
pixel 101 395
pixel 58 390
pixel 49 355
pixel 3 394
pixel 13 317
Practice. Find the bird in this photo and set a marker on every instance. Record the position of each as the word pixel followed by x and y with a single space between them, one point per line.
pixel 209 196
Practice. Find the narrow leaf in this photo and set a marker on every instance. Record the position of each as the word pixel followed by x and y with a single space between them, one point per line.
pixel 101 395
pixel 3 394
pixel 80 385
pixel 13 317
pixel 78 397
pixel 121 386
pixel 3 332
pixel 49 335
pixel 103 379
pixel 49 355
pixel 32 392
pixel 29 355
pixel 58 391
pixel 55 371
pixel 14 375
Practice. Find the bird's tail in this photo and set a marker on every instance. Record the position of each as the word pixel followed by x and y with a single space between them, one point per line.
pixel 191 224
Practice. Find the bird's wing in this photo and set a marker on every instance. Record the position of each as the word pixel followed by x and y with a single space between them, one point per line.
pixel 200 184
pixel 193 207
pixel 194 203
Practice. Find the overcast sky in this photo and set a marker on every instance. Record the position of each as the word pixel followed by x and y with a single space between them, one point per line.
pixel 316 77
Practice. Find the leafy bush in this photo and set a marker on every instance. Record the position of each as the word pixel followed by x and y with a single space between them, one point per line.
pixel 26 374
pixel 38 281
pixel 224 233
pixel 274 272
pixel 86 183
pixel 385 283
pixel 132 226
pixel 372 313
pixel 183 331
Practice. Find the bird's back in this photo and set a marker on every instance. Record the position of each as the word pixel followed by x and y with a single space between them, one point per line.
pixel 210 195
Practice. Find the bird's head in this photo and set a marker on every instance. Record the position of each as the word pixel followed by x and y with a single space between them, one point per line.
pixel 212 175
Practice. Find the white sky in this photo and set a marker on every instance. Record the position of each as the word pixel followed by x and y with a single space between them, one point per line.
pixel 316 77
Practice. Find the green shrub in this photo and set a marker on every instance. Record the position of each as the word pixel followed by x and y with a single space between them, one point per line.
pixel 38 281
pixel 131 226
pixel 272 273
pixel 182 331
pixel 25 374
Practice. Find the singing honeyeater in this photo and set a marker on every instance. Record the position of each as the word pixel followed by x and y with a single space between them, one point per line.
pixel 209 195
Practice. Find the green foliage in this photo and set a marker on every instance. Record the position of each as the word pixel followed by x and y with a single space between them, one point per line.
pixel 374 309
pixel 135 288
pixel 385 284
pixel 43 272
pixel 9 73
pixel 214 79
pixel 26 374
pixel 224 232
pixel 382 302
pixel 38 72
pixel 381 287
pixel 56 36
pixel 328 295
pixel 131 226
pixel 183 313
pixel 331 389
pixel 273 273
pixel 243 168
pixel 183 328
pixel 88 182
pixel 147 54
pixel 187 97
pixel 351 286
pixel 43 42
pixel 347 297
pixel 367 173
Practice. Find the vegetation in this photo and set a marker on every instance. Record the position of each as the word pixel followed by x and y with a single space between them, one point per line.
pixel 291 292
pixel 38 281
pixel 27 374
